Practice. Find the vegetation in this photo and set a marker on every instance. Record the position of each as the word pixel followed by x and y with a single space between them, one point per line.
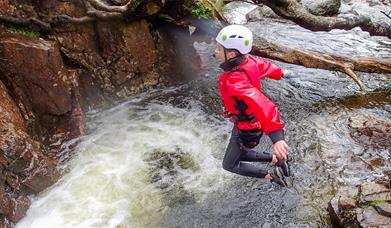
pixel 378 202
pixel 24 32
pixel 205 9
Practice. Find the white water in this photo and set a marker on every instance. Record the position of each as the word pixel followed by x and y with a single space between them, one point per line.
pixel 108 182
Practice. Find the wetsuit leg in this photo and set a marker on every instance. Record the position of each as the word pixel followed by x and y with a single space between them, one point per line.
pixel 234 155
pixel 256 156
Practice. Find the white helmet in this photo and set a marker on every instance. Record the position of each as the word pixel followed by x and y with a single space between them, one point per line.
pixel 236 37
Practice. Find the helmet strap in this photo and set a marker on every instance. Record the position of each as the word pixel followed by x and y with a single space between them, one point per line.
pixel 230 63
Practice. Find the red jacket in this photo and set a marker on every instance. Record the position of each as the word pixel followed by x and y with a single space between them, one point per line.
pixel 237 84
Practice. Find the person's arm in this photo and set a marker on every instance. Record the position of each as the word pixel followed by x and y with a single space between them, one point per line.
pixel 265 111
pixel 239 86
pixel 268 69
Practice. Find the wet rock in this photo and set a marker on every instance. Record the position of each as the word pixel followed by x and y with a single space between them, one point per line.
pixel 119 60
pixel 235 12
pixel 384 209
pixel 373 192
pixel 346 203
pixel 9 111
pixel 323 7
pixel 35 171
pixel 261 12
pixel 47 93
pixel 371 131
pixel 369 217
pixel 18 209
pixel 4 203
pixel 23 166
pixel 367 205
pixel 368 9
pixel 35 70
pixel 342 206
pixel 91 95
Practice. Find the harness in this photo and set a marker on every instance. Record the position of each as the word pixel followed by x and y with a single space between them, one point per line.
pixel 240 104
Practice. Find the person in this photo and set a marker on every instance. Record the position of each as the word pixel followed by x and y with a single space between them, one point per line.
pixel 251 111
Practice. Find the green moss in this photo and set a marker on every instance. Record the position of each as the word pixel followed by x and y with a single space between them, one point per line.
pixel 201 11
pixel 24 32
pixel 355 196
pixel 378 202
pixel 204 9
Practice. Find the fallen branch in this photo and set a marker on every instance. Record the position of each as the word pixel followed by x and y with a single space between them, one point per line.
pixel 294 11
pixel 266 48
pixel 32 22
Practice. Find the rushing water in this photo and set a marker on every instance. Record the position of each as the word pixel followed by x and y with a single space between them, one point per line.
pixel 155 160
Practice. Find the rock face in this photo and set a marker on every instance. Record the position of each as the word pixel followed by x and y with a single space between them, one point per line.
pixel 367 205
pixel 323 7
pixel 35 70
pixel 24 168
pixel 40 84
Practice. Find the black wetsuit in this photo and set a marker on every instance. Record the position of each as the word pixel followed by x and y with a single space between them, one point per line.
pixel 238 153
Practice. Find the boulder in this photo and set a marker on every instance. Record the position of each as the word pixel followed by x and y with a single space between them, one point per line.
pixel 236 12
pixel 369 217
pixel 370 131
pixel 342 206
pixel 367 205
pixel 322 7
pixel 18 209
pixel 372 193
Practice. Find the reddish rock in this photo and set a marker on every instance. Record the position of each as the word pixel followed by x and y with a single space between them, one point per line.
pixel 34 67
pixel 346 203
pixel 18 208
pixel 3 163
pixel 5 7
pixel 9 110
pixel 4 202
pixel 35 171
pixel 57 7
pixel 91 96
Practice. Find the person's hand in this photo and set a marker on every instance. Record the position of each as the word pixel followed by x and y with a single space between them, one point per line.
pixel 281 149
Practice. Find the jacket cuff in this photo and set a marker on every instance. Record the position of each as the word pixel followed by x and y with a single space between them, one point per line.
pixel 276 136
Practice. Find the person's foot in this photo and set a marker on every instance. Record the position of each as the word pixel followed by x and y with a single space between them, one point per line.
pixel 283 164
pixel 278 177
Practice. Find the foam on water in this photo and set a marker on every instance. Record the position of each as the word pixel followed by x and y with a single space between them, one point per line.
pixel 109 183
